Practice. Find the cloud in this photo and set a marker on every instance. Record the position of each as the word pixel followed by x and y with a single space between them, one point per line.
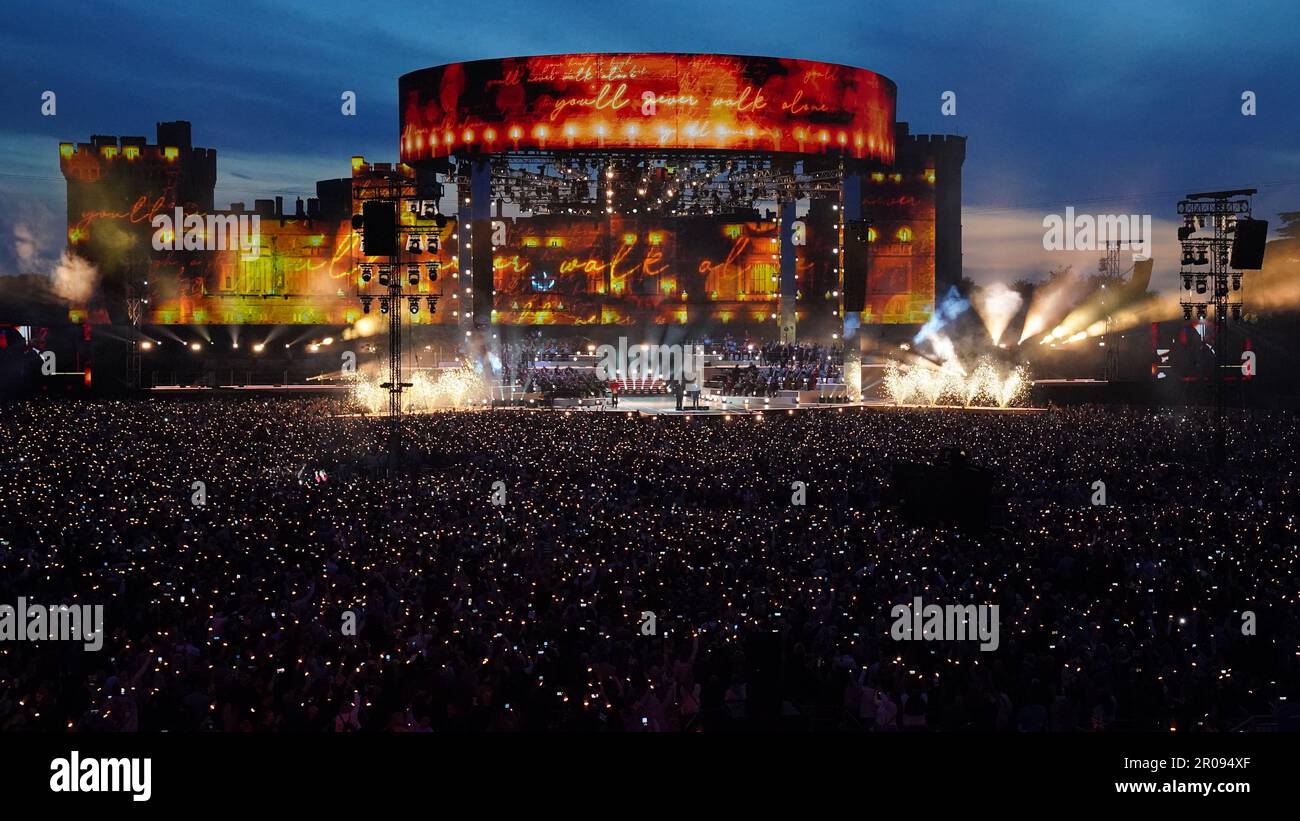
pixel 1007 244
pixel 31 232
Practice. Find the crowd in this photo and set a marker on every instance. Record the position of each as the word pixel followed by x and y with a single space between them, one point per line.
pixel 639 573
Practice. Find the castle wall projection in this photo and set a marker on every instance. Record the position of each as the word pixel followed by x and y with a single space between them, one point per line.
pixel 599 262
pixel 901 247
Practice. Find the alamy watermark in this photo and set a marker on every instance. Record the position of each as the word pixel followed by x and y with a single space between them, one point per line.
pixel 953 622
pixel 213 232
pixel 128 775
pixel 680 363
pixel 38 622
pixel 1086 232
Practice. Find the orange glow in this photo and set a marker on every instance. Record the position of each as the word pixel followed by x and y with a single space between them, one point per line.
pixel 687 100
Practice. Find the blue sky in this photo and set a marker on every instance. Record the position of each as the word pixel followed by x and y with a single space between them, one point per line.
pixel 1112 107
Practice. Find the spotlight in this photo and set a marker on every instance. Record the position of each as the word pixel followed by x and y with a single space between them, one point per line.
pixel 432 269
pixel 383 305
pixel 194 346
pixel 365 304
pixel 1236 282
pixel 1187 312
pixel 431 242
pixel 1200 312
pixel 146 345
pixel 385 273
pixel 1187 282
pixel 1200 284
pixel 413 273
pixel 413 244
pixel 1202 258
pixel 1188 259
pixel 414 304
pixel 432 302
pixel 1236 313
pixel 367 271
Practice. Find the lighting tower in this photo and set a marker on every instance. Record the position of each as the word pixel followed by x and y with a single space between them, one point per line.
pixel 1209 227
pixel 411 254
pixel 1111 271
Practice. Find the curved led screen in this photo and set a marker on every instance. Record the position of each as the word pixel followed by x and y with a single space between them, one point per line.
pixel 646 101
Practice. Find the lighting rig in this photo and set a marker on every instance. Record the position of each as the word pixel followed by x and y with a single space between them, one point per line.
pixel 411 252
pixel 664 184
pixel 1208 238
pixel 1112 271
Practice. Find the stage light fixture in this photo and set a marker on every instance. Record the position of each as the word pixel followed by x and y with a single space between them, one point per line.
pixel 1187 282
pixel 1236 313
pixel 1202 258
pixel 1187 312
pixel 365 304
pixel 1188 259
pixel 1236 282
pixel 367 271
pixel 413 273
pixel 413 244
pixel 383 305
pixel 432 302
pixel 385 273
pixel 1200 284
pixel 413 304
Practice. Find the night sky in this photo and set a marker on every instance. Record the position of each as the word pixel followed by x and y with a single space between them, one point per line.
pixel 1110 107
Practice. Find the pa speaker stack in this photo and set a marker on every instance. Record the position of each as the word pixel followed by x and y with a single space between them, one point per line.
pixel 1248 245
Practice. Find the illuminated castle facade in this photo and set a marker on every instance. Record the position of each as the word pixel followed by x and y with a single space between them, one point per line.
pixel 531 262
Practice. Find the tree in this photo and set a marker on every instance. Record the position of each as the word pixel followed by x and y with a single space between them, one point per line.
pixel 1290 227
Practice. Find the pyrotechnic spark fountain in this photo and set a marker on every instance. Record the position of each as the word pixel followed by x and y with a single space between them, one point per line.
pixel 458 388
pixel 926 385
